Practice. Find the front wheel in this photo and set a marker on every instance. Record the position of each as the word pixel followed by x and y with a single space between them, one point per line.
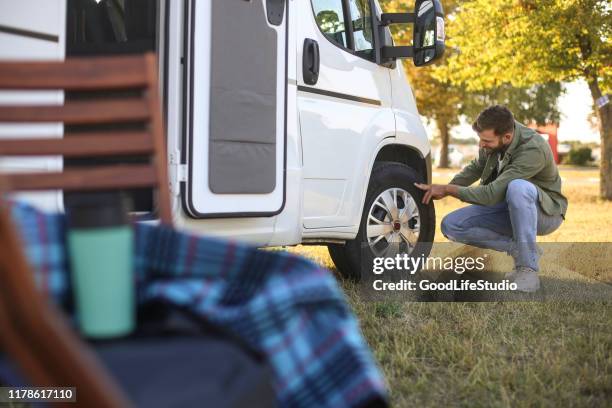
pixel 394 221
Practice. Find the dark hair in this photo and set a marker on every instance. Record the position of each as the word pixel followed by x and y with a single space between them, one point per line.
pixel 496 117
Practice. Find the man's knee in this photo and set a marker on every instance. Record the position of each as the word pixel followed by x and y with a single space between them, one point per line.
pixel 521 192
pixel 450 227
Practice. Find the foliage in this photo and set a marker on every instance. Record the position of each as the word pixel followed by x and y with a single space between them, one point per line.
pixel 580 156
pixel 536 104
pixel 524 43
pixel 441 99
pixel 445 101
pixel 499 354
pixel 577 144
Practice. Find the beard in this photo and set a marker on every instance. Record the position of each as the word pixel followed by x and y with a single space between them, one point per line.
pixel 499 149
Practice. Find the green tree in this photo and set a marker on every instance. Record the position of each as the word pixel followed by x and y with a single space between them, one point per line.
pixel 536 104
pixel 522 43
pixel 443 101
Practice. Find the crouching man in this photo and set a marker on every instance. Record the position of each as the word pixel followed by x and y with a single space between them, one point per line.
pixel 519 195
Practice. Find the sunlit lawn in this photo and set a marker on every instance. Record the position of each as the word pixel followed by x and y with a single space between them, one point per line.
pixel 555 354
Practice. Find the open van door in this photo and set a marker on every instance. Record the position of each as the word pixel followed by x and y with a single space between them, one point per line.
pixel 235 136
pixel 33 30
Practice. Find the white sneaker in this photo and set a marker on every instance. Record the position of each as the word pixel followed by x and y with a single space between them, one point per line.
pixel 527 280
pixel 511 275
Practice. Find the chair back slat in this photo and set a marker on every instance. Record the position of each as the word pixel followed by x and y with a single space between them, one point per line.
pixel 94 73
pixel 135 76
pixel 86 179
pixel 80 112
pixel 98 144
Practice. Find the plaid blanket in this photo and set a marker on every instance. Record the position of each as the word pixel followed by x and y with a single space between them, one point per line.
pixel 282 305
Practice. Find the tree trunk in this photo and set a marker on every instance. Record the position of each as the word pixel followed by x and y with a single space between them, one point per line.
pixel 443 128
pixel 604 117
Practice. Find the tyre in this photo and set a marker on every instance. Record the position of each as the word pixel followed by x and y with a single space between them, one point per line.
pixel 338 256
pixel 393 221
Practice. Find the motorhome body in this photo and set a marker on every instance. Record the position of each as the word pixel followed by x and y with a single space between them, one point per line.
pixel 288 121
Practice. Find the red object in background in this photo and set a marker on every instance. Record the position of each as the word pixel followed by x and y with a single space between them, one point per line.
pixel 551 131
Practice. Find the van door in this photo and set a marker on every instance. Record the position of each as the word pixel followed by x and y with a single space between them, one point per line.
pixel 33 30
pixel 234 141
pixel 344 109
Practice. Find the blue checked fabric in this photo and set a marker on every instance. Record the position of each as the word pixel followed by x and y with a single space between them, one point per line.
pixel 285 306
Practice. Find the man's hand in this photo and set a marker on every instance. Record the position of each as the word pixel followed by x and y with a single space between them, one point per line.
pixel 436 191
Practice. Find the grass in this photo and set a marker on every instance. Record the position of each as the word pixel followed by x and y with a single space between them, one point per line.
pixel 588 218
pixel 549 354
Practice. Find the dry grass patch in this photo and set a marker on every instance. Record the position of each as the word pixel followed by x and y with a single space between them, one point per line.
pixel 588 218
pixel 544 354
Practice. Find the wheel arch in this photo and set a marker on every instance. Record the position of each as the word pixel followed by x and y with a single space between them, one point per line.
pixel 393 155
pixel 389 151
pixel 404 154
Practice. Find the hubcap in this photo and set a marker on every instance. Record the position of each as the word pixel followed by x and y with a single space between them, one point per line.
pixel 393 223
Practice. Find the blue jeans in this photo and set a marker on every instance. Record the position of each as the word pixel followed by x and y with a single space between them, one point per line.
pixel 510 226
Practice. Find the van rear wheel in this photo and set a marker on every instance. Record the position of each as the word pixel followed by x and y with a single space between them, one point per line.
pixel 338 256
pixel 393 221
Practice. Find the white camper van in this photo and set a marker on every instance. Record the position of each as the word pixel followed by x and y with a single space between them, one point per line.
pixel 288 121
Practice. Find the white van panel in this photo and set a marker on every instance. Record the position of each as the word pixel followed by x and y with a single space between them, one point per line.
pixel 339 135
pixel 33 30
pixel 409 127
pixel 24 22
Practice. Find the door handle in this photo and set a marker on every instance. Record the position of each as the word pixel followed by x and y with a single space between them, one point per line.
pixel 310 61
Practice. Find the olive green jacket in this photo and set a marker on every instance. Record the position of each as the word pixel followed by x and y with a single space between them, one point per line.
pixel 529 158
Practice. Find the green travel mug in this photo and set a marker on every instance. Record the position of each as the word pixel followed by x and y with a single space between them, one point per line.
pixel 100 244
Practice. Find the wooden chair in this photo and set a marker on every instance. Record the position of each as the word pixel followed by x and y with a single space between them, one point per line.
pixel 32 331
pixel 91 75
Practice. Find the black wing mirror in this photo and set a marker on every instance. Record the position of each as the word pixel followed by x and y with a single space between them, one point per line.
pixel 428 38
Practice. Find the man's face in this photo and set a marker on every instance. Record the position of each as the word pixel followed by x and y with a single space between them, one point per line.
pixel 493 143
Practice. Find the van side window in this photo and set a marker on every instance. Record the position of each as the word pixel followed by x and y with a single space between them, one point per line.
pixel 361 16
pixel 330 18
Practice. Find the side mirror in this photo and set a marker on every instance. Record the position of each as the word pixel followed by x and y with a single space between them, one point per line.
pixel 428 33
pixel 428 39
